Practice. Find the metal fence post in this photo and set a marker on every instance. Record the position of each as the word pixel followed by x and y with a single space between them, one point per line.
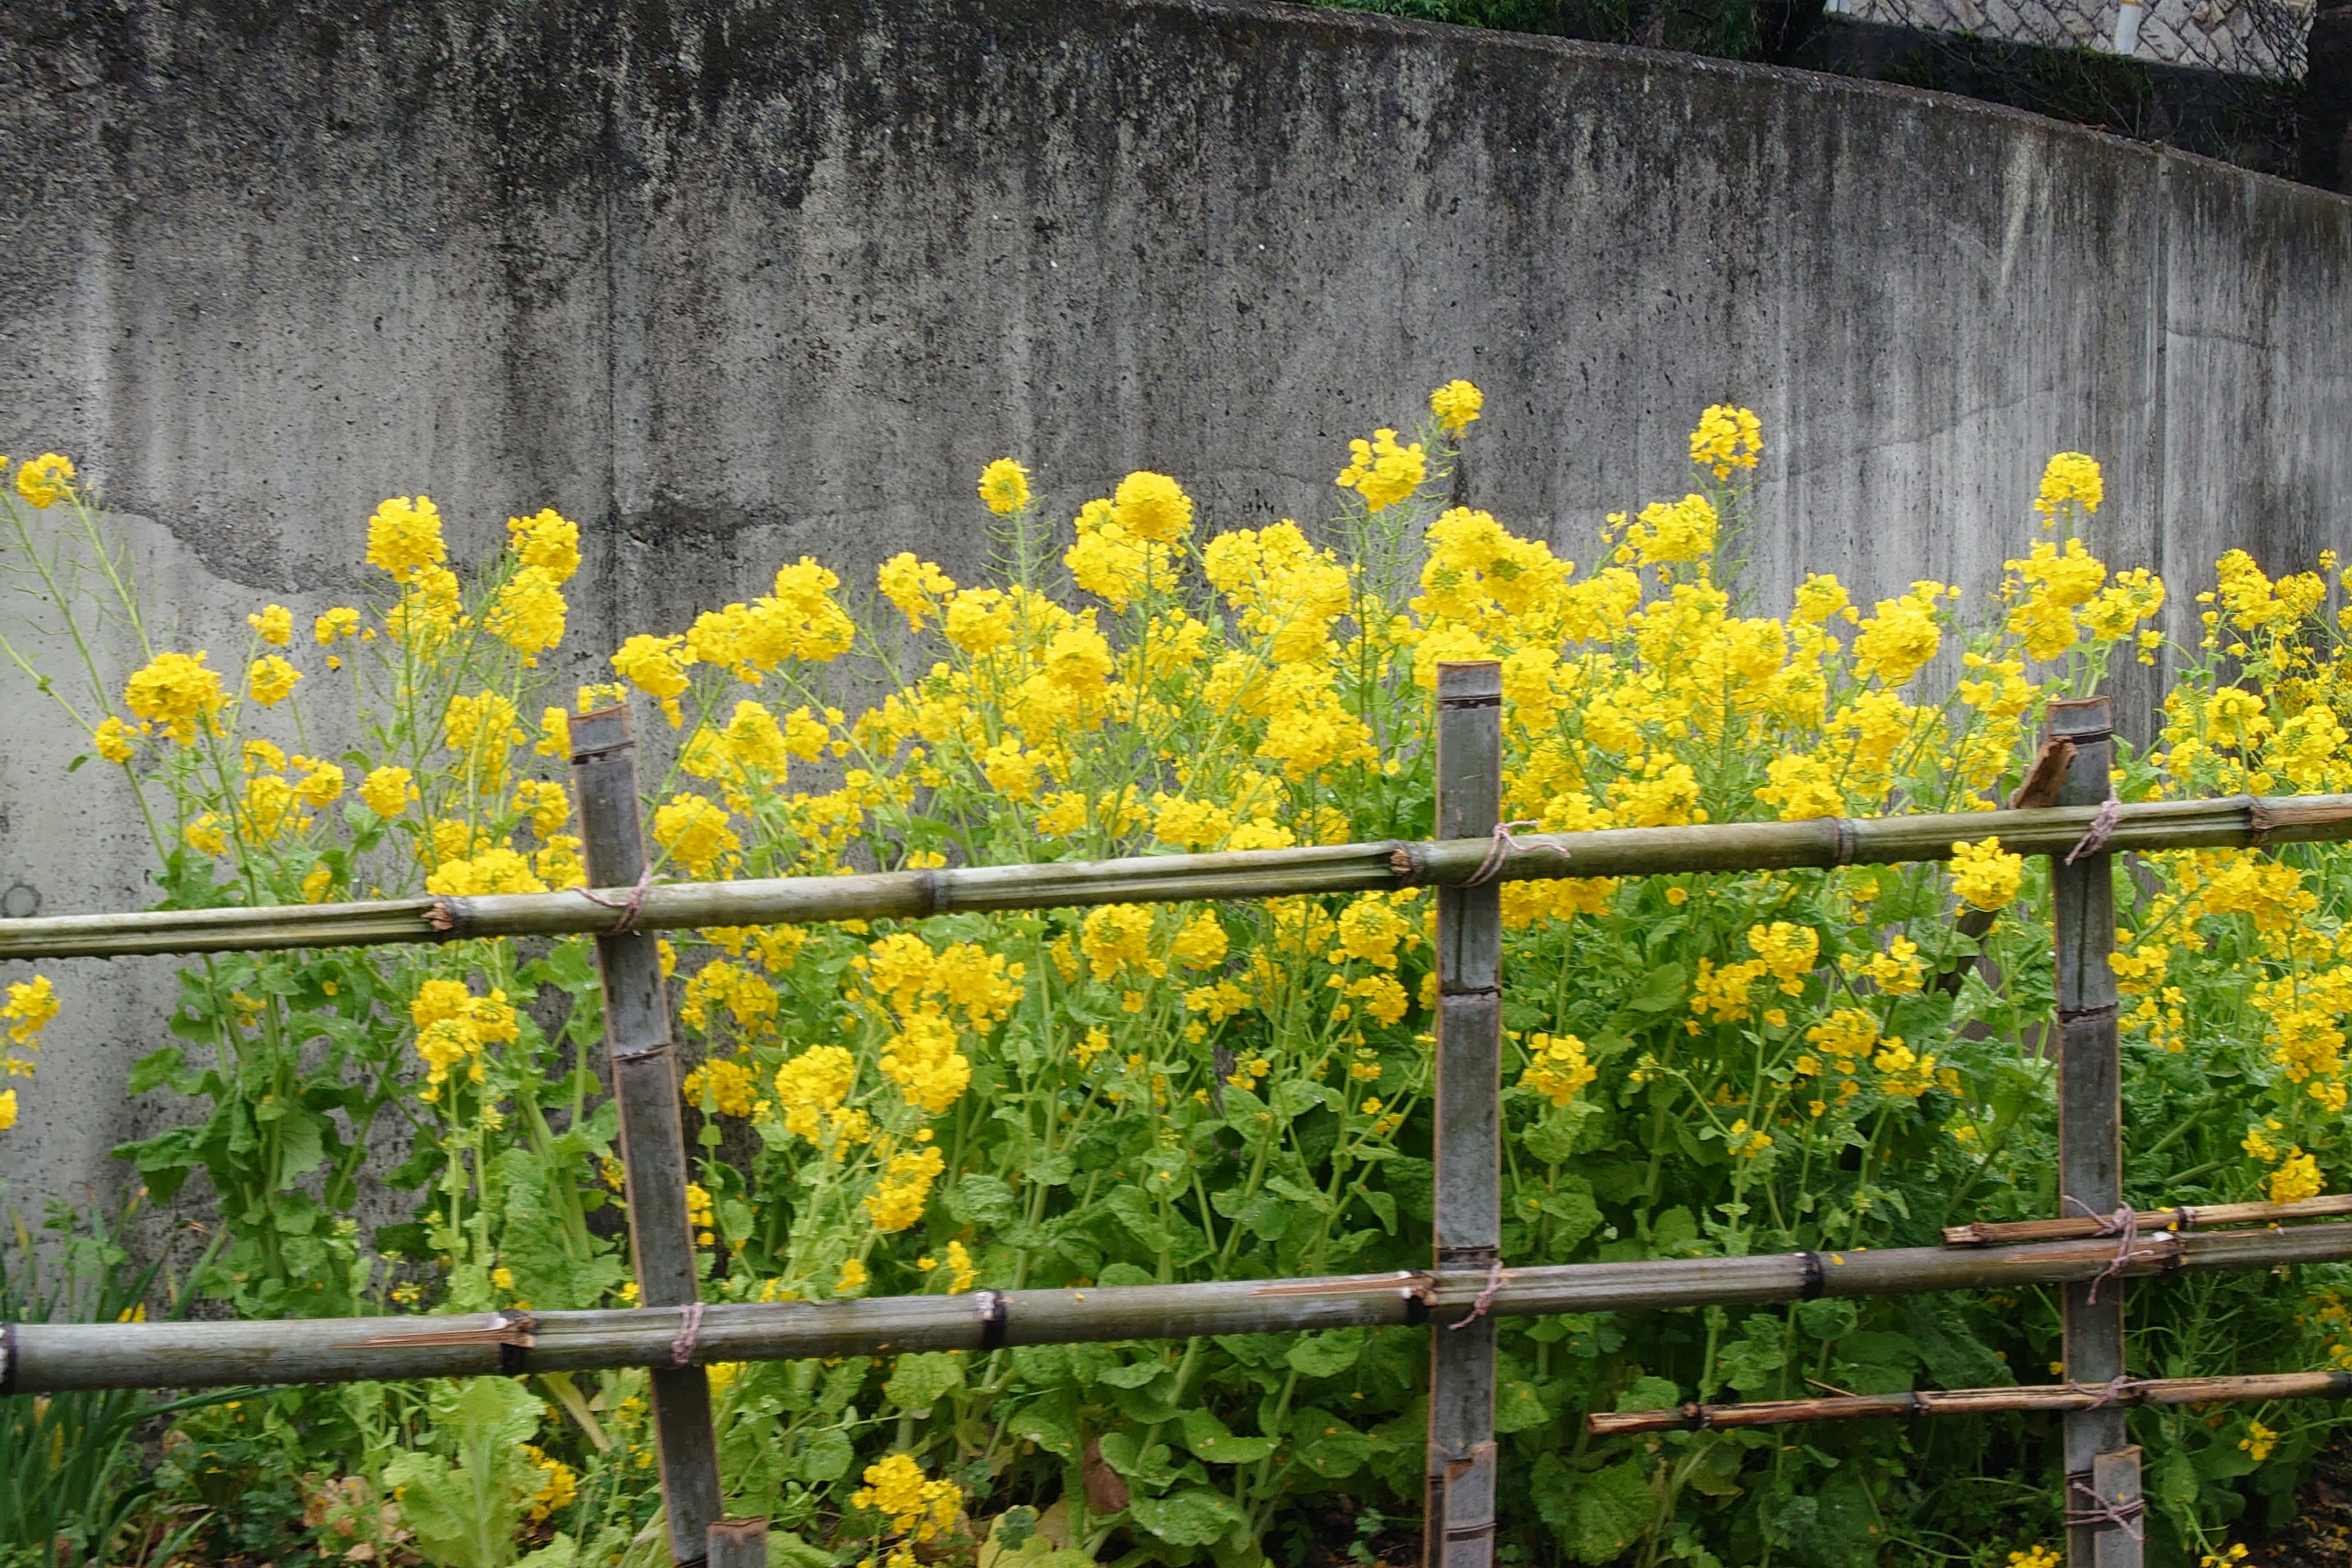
pixel 653 1135
pixel 2100 1470
pixel 1460 1528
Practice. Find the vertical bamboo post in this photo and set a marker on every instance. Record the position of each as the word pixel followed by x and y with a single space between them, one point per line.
pixel 2090 1142
pixel 739 1544
pixel 653 1135
pixel 1459 1532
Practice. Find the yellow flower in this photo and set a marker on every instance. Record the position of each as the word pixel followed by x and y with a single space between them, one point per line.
pixel 529 612
pixel 964 1272
pixel 46 479
pixel 1668 532
pixel 894 1486
pixel 2259 1441
pixel 2297 1178
pixel 317 882
pixel 204 834
pixel 323 786
pixel 1383 472
pixel 2035 1556
pixel 115 741
pixel 404 538
pixel 695 831
pixel 1152 507
pixel 1455 405
pixel 853 1278
pixel 1004 486
pixel 547 804
pixel 1726 438
pixel 652 664
pixel 547 540
pixel 1901 638
pixel 1557 1068
pixel 914 585
pixel 273 623
pixel 270 680
pixel 1984 877
pixel 2070 479
pixel 897 1201
pixel 31 1005
pixel 724 1086
pixel 335 625
pixel 387 791
pixel 175 692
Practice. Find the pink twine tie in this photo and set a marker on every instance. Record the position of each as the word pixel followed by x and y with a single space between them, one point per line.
pixel 631 907
pixel 1499 851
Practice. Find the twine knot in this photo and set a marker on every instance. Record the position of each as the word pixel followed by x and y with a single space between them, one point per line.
pixel 1499 850
pixel 631 907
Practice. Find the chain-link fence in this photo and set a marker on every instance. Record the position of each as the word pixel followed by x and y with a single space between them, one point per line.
pixel 2247 38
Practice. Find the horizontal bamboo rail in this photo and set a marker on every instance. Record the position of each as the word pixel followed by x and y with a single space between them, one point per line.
pixel 2208 1217
pixel 2062 1396
pixel 1824 841
pixel 44 1358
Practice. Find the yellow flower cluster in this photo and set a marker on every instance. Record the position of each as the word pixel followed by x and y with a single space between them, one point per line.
pixel 1727 439
pixel 895 1489
pixel 455 1026
pixel 30 1006
pixel 1985 875
pixel 1557 1068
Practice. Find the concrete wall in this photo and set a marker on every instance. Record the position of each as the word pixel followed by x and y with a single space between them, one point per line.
pixel 731 282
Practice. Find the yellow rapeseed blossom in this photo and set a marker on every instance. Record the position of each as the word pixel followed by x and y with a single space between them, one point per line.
pixel 270 680
pixel 404 538
pixel 175 693
pixel 695 832
pixel 387 791
pixel 273 623
pixel 2070 479
pixel 30 1006
pixel 115 741
pixel 895 1489
pixel 2297 1178
pixel 45 480
pixel 1984 876
pixel 1727 438
pixel 1152 507
pixel 1004 486
pixel 528 615
pixel 1455 405
pixel 915 586
pixel 1383 472
pixel 1557 1068
pixel 547 542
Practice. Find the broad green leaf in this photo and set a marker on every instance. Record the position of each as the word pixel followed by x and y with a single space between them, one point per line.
pixel 919 1379
pixel 1192 1518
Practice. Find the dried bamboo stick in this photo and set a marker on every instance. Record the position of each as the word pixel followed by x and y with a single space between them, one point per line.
pixel 653 1136
pixel 1466 1236
pixel 2059 1397
pixel 45 1358
pixel 2238 821
pixel 2090 1128
pixel 2205 1216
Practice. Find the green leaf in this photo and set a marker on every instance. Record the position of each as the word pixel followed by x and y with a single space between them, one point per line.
pixel 1328 1444
pixel 920 1378
pixel 1208 1437
pixel 982 1200
pixel 1327 1354
pixel 1752 1362
pixel 1831 1319
pixel 1661 991
pixel 824 1457
pixel 156 1068
pixel 1519 1407
pixel 1597 1514
pixel 1196 1517
pixel 1134 1374
pixel 1649 1393
pixel 1134 1209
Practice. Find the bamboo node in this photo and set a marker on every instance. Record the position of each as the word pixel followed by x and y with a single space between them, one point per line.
pixel 448 917
pixel 2265 817
pixel 1815 1279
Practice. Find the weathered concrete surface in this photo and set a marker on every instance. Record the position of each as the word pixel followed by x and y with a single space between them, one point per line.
pixel 731 282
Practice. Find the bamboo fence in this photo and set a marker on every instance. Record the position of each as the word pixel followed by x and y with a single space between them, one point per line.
pixel 673 1332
